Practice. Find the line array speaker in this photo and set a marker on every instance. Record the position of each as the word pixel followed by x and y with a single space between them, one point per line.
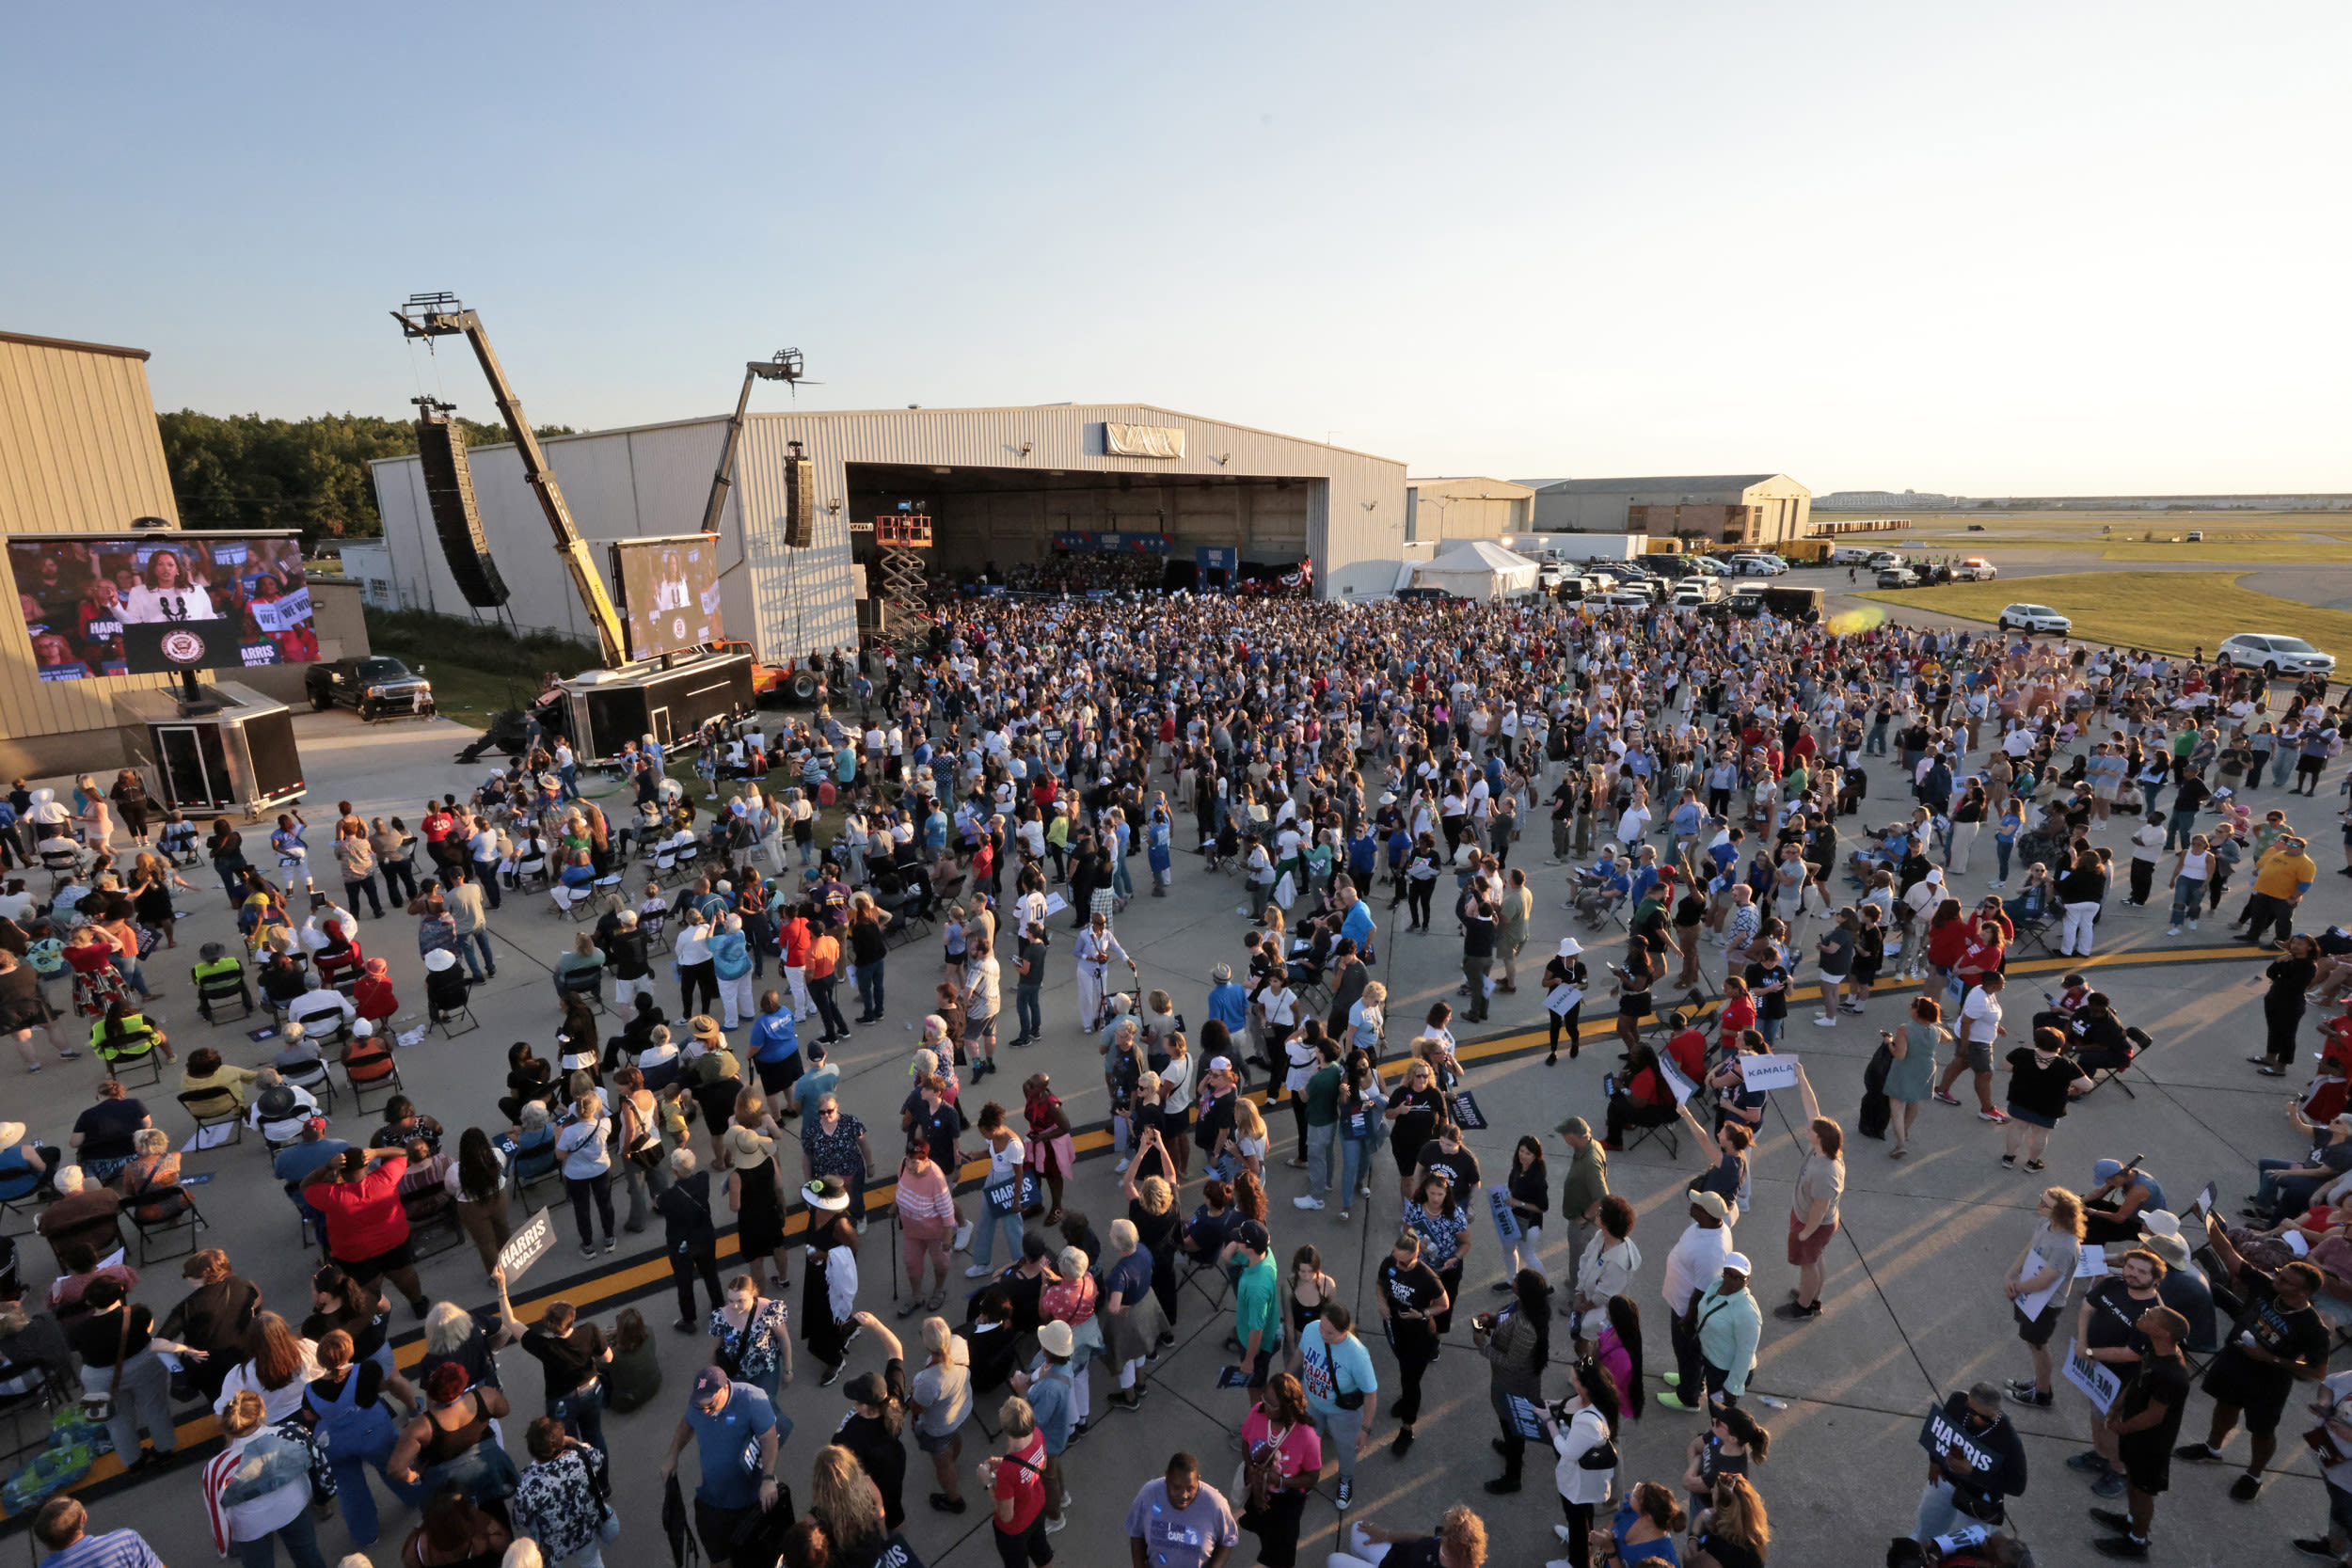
pixel 448 489
pixel 799 502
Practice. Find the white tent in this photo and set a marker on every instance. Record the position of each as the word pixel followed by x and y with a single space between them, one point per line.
pixel 1477 569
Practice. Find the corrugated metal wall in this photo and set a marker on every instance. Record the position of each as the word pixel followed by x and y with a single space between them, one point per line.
pixel 654 479
pixel 79 452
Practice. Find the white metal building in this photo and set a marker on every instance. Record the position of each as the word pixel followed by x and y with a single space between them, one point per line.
pixel 1471 508
pixel 998 484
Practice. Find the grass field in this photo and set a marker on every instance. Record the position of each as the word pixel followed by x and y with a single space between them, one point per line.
pixel 2173 612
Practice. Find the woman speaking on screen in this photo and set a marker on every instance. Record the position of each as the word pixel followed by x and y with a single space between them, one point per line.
pixel 168 592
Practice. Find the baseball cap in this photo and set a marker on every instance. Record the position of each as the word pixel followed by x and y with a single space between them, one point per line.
pixel 1254 1236
pixel 315 1124
pixel 709 1381
pixel 1738 1263
pixel 2105 1169
pixel 866 1388
pixel 1712 1203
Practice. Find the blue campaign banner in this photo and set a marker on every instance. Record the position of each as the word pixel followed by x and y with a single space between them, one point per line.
pixel 1216 558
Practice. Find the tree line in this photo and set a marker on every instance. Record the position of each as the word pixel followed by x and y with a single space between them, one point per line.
pixel 246 472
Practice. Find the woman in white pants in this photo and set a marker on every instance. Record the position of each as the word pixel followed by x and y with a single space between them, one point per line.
pixel 1968 815
pixel 2082 888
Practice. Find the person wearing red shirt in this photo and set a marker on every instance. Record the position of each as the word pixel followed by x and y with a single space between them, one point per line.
pixel 373 996
pixel 1688 1046
pixel 367 1229
pixel 1948 937
pixel 1016 1483
pixel 1738 1010
pixel 796 938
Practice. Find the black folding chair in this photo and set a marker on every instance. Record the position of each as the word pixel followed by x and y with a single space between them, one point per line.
pixel 212 1108
pixel 2140 1045
pixel 188 1220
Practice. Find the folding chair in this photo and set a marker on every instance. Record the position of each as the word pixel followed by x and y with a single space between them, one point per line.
pixel 21 1194
pixel 189 1219
pixel 2034 928
pixel 62 859
pixel 447 1022
pixel 531 876
pixel 656 925
pixel 212 1108
pixel 2140 1045
pixel 1668 1132
pixel 371 1067
pixel 587 984
pixel 313 1078
pixel 212 990
pixel 527 1167
pixel 47 1395
pixel 119 1064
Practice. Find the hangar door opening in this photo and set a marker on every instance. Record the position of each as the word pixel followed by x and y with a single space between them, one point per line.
pixel 1050 530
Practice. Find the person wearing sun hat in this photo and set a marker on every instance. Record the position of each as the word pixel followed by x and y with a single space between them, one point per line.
pixel 829 1305
pixel 1564 968
pixel 445 988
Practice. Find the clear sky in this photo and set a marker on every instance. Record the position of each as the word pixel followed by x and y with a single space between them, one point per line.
pixel 1986 249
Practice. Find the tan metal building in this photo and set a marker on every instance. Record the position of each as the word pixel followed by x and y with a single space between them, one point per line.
pixel 1466 508
pixel 998 484
pixel 80 454
pixel 1782 508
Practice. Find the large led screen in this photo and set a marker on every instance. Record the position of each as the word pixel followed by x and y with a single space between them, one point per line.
pixel 149 604
pixel 669 593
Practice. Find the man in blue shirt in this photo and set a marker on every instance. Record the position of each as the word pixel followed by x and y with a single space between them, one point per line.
pixel 1356 921
pixel 59 1528
pixel 1331 1362
pixel 722 1419
pixel 298 1160
pixel 776 1048
pixel 1228 1002
pixel 821 1079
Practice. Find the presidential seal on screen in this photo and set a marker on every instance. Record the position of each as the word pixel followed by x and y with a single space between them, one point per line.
pixel 183 647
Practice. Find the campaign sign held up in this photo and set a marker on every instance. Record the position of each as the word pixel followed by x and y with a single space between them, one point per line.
pixel 2100 1382
pixel 535 1241
pixel 1506 1219
pixel 1768 1072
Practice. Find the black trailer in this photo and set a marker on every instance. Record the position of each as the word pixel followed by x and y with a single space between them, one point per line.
pixel 609 708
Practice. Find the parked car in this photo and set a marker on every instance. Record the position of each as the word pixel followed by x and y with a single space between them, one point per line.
pixel 1625 595
pixel 1976 527
pixel 1881 560
pixel 376 687
pixel 1975 569
pixel 2032 618
pixel 1851 555
pixel 2196 536
pixel 1759 565
pixel 2274 655
pixel 1897 577
pixel 1418 592
pixel 1697 591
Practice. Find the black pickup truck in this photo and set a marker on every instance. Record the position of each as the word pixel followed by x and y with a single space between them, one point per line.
pixel 375 687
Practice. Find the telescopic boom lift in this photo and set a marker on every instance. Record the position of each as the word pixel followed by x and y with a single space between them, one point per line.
pixel 443 315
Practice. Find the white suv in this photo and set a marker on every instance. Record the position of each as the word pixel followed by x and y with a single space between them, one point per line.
pixel 2274 655
pixel 2031 618
pixel 1975 569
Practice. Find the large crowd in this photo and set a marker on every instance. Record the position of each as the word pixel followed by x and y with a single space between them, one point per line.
pixel 1787 805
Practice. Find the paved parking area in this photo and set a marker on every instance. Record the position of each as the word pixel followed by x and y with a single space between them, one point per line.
pixel 1916 1308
